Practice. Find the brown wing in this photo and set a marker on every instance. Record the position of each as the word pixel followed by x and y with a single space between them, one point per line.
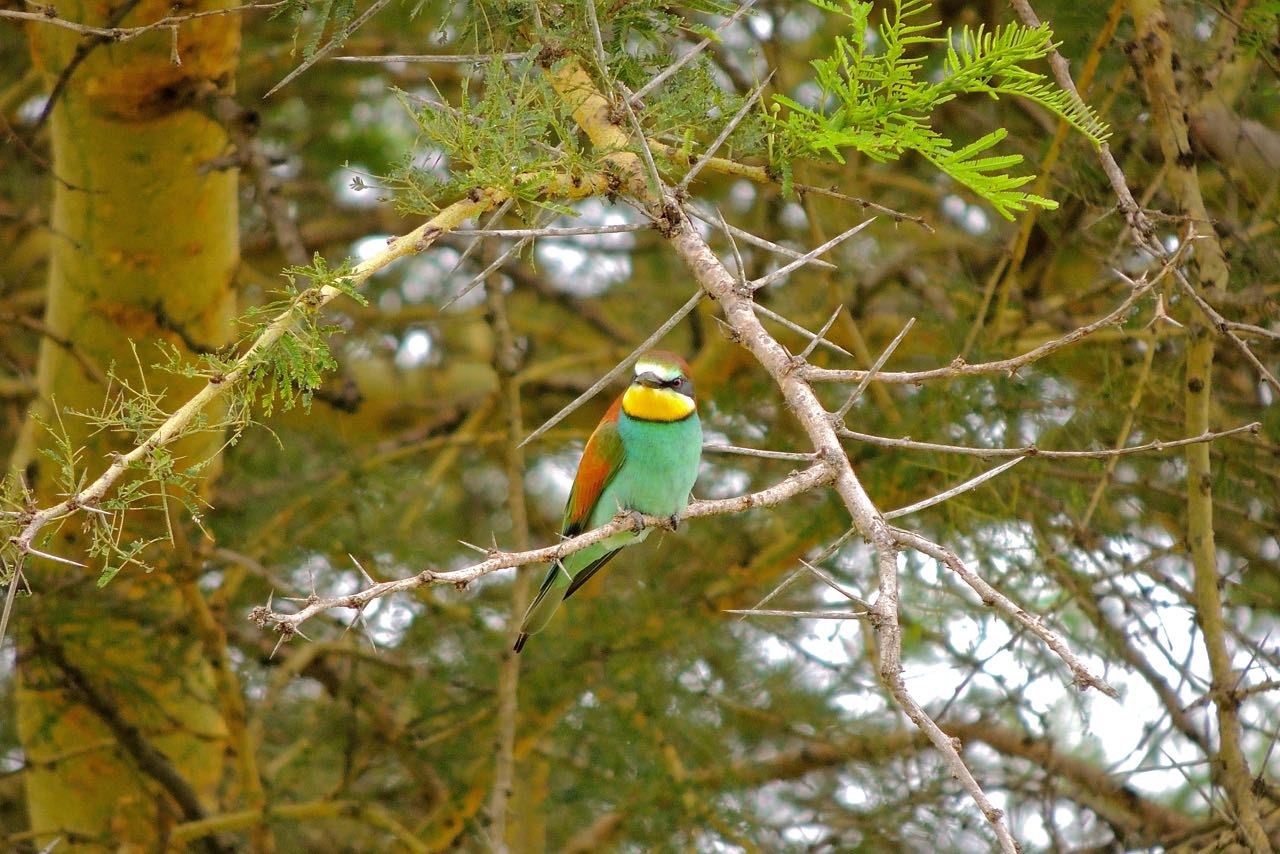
pixel 600 463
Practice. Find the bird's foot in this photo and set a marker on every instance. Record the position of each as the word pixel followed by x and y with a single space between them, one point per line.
pixel 672 522
pixel 637 520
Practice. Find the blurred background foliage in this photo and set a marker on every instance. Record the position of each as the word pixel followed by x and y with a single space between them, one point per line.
pixel 648 718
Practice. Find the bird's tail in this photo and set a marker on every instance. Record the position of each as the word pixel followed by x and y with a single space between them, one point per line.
pixel 545 605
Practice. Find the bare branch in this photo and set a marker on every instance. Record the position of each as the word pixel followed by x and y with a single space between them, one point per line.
pixel 1035 451
pixel 990 596
pixel 811 615
pixel 765 281
pixel 484 274
pixel 555 232
pixel 875 369
pixel 758 452
pixel 785 490
pixel 446 58
pixel 330 46
pixel 1006 366
pixel 671 69
pixel 807 566
pixel 795 327
pixel 120 35
pixel 742 234
pixel 724 135
pixel 1227 330
pixel 969 484
pixel 820 336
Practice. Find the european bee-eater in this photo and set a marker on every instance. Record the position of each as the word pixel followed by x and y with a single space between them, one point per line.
pixel 643 456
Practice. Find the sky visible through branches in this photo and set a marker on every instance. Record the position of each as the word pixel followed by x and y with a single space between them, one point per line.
pixel 926 262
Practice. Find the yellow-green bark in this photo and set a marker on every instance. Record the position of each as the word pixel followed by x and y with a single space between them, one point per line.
pixel 145 244
pixel 1154 58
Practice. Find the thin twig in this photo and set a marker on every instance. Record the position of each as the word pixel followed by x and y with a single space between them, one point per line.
pixel 10 595
pixel 671 69
pixel 495 217
pixel 820 336
pixel 618 369
pixel 801 482
pixel 724 135
pixel 78 56
pixel 765 281
pixel 808 566
pixel 658 186
pixel 480 277
pixel 1036 451
pixel 433 58
pixel 1006 366
pixel 795 327
pixel 991 596
pixel 330 46
pixel 955 490
pixel 742 234
pixel 597 39
pixel 875 369
pixel 1223 327
pixel 825 578
pixel 759 452
pixel 119 35
pixel 895 215
pixel 556 232
pixel 812 615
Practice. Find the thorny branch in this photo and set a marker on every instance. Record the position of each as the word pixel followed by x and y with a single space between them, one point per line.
pixel 592 112
pixel 310 301
pixel 1154 62
pixel 785 490
pixel 793 377
pixel 124 34
pixel 1035 451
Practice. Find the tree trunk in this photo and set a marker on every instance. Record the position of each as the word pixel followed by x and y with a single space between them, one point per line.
pixel 117 709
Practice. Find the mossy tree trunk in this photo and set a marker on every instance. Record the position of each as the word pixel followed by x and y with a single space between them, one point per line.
pixel 118 711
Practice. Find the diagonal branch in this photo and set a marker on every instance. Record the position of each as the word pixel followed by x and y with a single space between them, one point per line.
pixel 333 44
pixel 591 111
pixel 309 302
pixel 797 484
pixel 618 369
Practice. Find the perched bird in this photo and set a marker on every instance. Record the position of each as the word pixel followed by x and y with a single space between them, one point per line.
pixel 642 456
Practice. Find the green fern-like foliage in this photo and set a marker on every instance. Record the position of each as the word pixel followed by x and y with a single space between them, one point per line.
pixel 332 16
pixel 497 139
pixel 875 97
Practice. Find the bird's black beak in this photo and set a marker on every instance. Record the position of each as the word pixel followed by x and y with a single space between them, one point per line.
pixel 650 379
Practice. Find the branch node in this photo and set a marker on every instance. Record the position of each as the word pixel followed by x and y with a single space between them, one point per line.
pixel 427 237
pixel 261 615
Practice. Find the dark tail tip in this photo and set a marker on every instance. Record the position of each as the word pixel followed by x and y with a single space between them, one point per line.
pixel 520 641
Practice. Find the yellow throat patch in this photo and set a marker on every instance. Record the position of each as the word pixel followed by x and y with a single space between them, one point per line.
pixel 656 404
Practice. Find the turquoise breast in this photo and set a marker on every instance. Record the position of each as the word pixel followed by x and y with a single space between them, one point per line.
pixel 659 469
